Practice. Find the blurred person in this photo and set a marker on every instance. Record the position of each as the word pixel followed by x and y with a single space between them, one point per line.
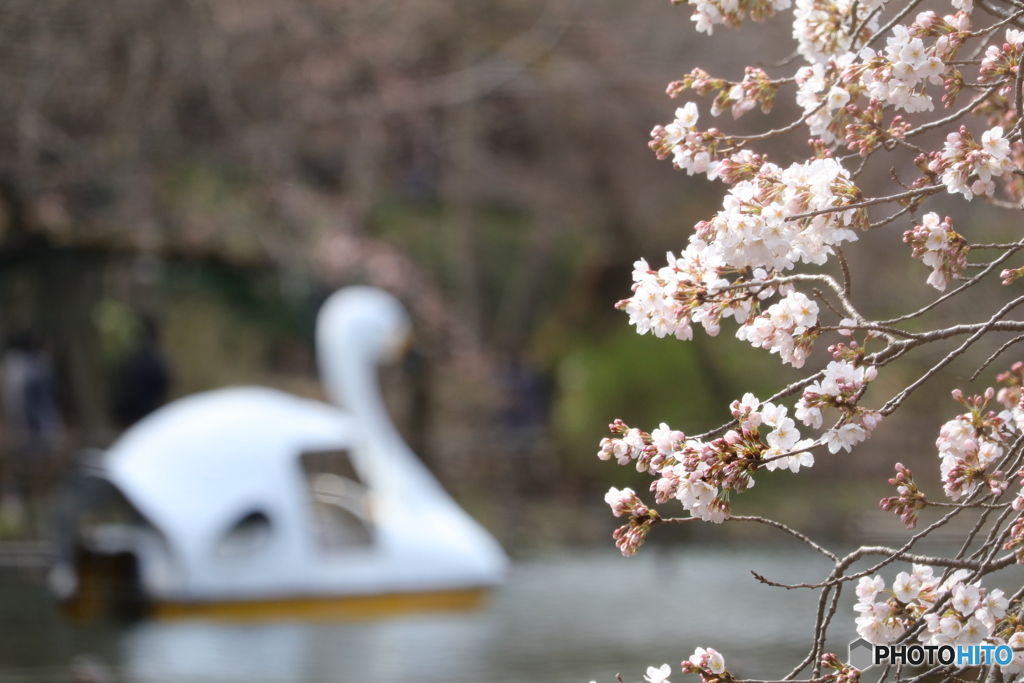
pixel 523 420
pixel 143 382
pixel 28 389
pixel 34 423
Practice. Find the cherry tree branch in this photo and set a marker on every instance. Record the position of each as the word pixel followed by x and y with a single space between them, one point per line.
pixel 979 332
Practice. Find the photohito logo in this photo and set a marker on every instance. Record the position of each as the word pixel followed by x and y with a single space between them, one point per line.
pixel 861 654
pixel 864 655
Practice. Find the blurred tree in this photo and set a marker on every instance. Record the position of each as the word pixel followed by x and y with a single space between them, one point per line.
pixel 476 158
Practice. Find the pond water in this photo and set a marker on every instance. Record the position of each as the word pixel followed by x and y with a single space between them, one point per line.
pixel 574 616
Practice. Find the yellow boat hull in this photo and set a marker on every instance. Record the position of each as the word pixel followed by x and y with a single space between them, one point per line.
pixel 321 608
pixel 108 586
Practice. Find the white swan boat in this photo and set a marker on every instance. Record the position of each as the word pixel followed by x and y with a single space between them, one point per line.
pixel 250 502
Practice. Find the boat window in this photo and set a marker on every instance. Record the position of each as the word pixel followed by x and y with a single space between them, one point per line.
pixel 329 462
pixel 340 510
pixel 245 537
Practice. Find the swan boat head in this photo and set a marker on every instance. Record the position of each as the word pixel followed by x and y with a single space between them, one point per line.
pixel 219 503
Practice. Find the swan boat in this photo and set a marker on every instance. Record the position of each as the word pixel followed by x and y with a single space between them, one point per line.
pixel 249 502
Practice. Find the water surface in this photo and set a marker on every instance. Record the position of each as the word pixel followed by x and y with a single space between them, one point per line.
pixel 567 617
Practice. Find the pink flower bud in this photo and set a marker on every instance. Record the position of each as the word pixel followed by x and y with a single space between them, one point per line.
pixel 926 20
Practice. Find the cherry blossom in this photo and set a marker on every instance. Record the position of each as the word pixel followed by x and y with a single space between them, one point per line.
pixel 940 248
pixel 659 675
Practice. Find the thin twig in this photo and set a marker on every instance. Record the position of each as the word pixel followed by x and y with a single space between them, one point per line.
pixel 895 401
pixel 968 283
pixel 995 355
pixel 847 286
pixel 956 115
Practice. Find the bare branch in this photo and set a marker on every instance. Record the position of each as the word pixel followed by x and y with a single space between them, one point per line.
pixel 995 355
pixel 993 323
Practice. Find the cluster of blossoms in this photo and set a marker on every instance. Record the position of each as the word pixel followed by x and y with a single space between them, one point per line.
pixel 701 474
pixel 756 228
pixel 853 352
pixel 786 328
pixel 782 440
pixel 772 218
pixel 820 26
pixel 667 301
pixel 764 195
pixel 824 98
pixel 685 476
pixel 629 537
pixel 910 500
pixel 829 87
pixel 755 90
pixel 1011 396
pixel 1001 62
pixel 867 129
pixel 753 236
pixel 971 616
pixel 969 443
pixel 844 673
pixel 1000 66
pixel 939 248
pixel 962 159
pixel 1016 541
pixel 896 76
pixel 841 387
pixel 709 664
pixel 708 13
pixel 692 150
pixel 969 446
pixel 1012 393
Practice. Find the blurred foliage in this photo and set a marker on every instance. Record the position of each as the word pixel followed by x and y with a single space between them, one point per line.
pixel 118 328
pixel 644 381
pixel 640 380
pixel 501 233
